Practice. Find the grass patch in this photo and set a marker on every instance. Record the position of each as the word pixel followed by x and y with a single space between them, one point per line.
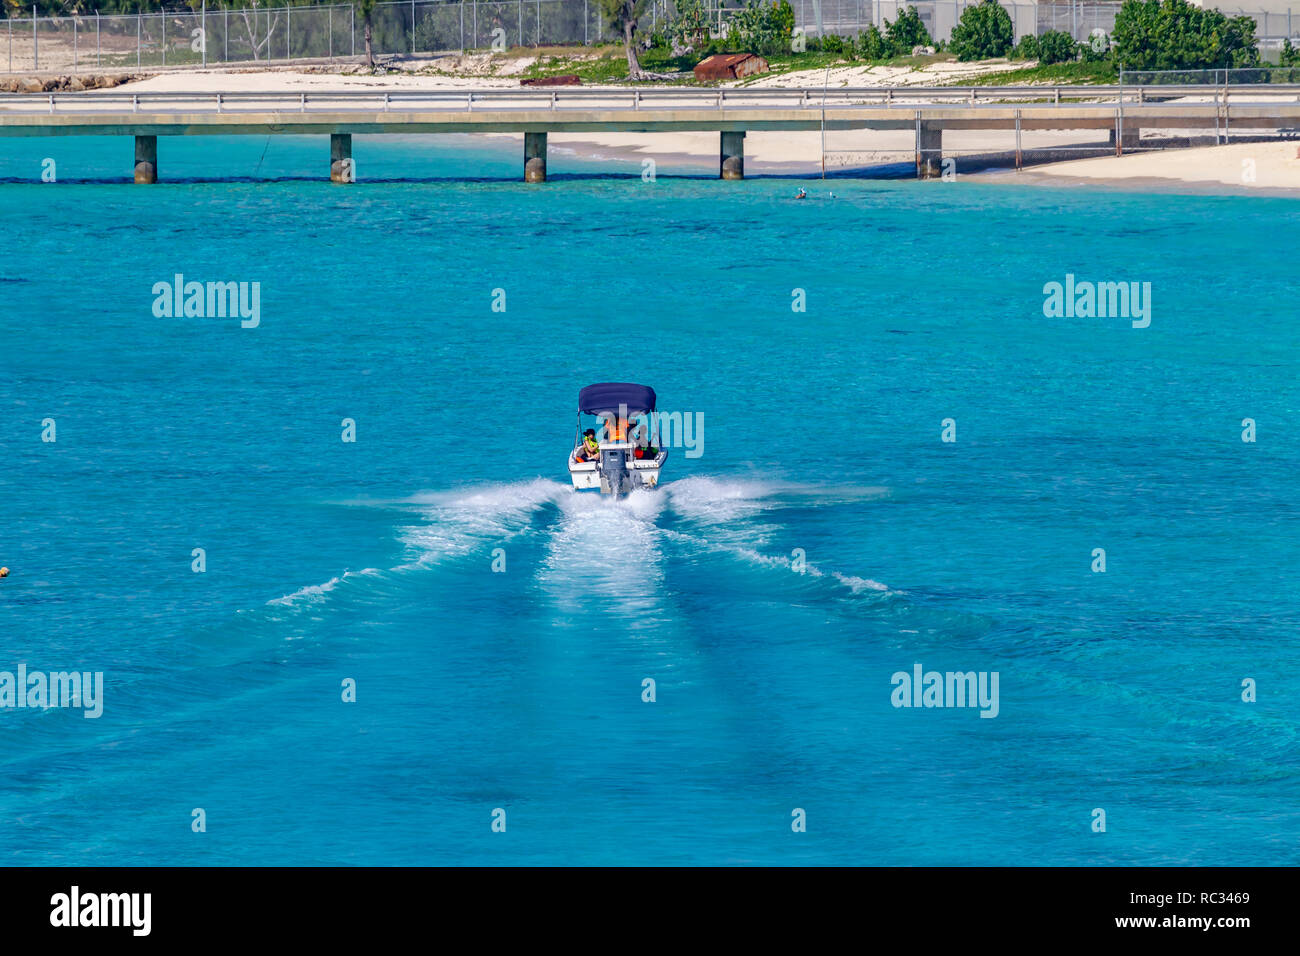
pixel 605 66
pixel 1057 74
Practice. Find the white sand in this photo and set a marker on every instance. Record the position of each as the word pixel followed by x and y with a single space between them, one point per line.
pixel 293 81
pixel 1244 165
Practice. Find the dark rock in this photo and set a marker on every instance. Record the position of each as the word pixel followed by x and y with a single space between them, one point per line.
pixel 565 79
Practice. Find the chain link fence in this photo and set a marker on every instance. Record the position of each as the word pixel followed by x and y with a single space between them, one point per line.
pixel 216 36
pixel 1079 18
pixel 1238 77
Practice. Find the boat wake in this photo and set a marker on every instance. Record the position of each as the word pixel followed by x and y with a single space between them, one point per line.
pixel 608 549
pixel 583 545
pixel 459 523
pixel 315 593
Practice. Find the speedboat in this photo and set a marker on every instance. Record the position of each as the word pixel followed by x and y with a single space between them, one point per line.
pixel 623 454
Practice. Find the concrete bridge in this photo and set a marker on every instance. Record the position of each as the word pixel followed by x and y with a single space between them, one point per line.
pixel 928 111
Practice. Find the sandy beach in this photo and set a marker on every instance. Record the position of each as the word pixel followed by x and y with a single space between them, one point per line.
pixel 1251 168
pixel 1237 167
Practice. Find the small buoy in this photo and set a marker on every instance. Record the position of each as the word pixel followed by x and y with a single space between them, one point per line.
pixel 4 572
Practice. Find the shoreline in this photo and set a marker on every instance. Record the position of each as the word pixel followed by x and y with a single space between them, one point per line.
pixel 1270 168
pixel 1193 171
pixel 1134 184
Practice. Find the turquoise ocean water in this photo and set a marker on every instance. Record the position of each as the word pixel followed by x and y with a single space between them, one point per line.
pixel 522 690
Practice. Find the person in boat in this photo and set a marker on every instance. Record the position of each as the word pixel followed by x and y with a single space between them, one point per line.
pixel 616 428
pixel 636 434
pixel 643 447
pixel 589 450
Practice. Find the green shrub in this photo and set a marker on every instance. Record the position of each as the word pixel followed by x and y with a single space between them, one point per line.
pixel 984 31
pixel 1055 46
pixel 783 18
pixel 1026 49
pixel 691 24
pixel 1290 55
pixel 833 43
pixel 1174 35
pixel 906 33
pixel 872 45
pixel 760 27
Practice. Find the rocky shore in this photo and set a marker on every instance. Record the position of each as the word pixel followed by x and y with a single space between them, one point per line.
pixel 64 84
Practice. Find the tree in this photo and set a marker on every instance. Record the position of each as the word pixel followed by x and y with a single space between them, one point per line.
pixel 1174 35
pixel 252 25
pixel 622 16
pixel 367 8
pixel 984 31
pixel 907 33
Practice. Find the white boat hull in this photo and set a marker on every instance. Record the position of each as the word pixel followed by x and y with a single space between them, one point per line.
pixel 644 473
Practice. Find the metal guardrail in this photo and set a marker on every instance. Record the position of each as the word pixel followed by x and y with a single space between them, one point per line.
pixel 557 100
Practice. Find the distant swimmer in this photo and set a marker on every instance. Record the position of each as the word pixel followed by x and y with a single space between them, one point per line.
pixel 801 194
pixel 4 572
pixel 832 195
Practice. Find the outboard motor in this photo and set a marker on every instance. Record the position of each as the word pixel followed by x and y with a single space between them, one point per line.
pixel 614 477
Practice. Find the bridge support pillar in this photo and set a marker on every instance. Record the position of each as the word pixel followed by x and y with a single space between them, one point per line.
pixel 146 159
pixel 1131 137
pixel 341 168
pixel 731 158
pixel 534 157
pixel 929 150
